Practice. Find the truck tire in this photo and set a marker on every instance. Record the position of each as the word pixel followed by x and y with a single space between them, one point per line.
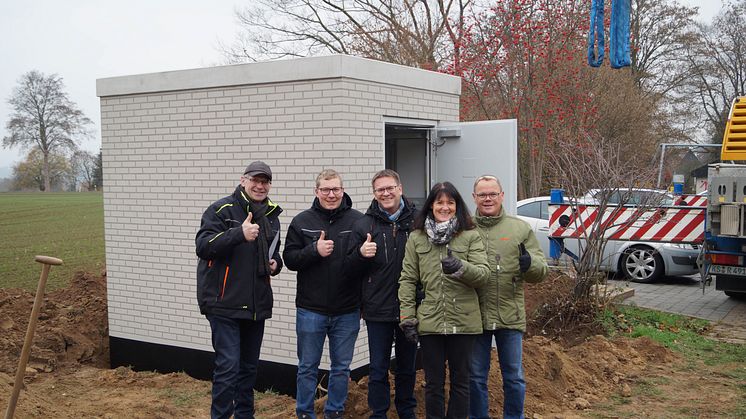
pixel 641 264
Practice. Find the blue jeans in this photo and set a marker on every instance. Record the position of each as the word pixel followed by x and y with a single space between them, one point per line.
pixel 510 354
pixel 380 337
pixel 237 343
pixel 312 329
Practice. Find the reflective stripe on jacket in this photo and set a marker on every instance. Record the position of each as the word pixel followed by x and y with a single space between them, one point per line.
pixel 227 276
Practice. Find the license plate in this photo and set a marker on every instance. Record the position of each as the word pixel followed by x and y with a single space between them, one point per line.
pixel 728 270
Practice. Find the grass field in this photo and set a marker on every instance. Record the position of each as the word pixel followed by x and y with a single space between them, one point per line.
pixel 68 226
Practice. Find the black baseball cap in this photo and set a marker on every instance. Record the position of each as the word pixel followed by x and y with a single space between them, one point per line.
pixel 258 168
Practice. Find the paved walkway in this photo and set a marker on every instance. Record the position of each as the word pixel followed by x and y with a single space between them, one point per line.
pixel 684 295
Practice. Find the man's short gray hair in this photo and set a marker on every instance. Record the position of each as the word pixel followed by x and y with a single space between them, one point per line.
pixel 487 178
pixel 386 173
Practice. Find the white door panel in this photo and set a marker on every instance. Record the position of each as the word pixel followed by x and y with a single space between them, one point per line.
pixel 483 148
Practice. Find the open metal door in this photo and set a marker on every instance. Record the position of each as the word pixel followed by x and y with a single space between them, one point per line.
pixel 463 151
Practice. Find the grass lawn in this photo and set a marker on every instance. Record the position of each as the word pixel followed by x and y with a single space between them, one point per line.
pixel 68 226
pixel 683 335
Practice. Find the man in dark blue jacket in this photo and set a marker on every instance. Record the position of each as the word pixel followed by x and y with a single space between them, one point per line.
pixel 238 248
pixel 375 254
pixel 327 300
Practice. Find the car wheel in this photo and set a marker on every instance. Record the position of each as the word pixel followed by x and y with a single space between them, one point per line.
pixel 641 264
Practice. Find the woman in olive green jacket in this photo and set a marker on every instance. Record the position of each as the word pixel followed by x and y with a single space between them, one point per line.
pixel 446 256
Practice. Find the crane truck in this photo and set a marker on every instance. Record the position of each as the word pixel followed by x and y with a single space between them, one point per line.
pixel 724 246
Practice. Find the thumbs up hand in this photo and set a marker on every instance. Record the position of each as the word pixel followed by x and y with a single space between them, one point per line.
pixel 524 259
pixel 250 231
pixel 451 264
pixel 369 247
pixel 323 246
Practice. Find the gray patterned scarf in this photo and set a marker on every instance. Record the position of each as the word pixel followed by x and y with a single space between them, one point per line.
pixel 440 233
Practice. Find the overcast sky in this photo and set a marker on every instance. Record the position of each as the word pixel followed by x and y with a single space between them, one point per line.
pixel 83 40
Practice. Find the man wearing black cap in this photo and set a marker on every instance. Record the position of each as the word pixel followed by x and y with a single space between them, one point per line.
pixel 238 247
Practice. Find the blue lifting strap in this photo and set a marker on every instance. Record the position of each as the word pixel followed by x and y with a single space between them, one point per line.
pixel 596 34
pixel 619 49
pixel 619 53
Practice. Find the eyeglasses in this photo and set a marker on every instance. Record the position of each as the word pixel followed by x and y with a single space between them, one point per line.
pixel 491 195
pixel 325 191
pixel 258 180
pixel 389 189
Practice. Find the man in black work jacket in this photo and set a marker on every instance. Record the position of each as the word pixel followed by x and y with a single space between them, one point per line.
pixel 238 247
pixel 327 300
pixel 375 254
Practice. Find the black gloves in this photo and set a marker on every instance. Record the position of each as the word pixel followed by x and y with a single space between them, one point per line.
pixel 524 259
pixel 409 327
pixel 450 264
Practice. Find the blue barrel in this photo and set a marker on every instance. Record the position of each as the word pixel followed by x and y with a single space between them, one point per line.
pixel 555 196
pixel 678 184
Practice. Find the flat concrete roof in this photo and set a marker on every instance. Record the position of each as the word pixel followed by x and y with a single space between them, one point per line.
pixel 299 69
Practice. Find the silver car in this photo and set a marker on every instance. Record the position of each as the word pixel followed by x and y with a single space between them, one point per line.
pixel 637 261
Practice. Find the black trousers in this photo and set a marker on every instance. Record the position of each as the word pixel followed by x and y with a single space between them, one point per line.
pixel 456 351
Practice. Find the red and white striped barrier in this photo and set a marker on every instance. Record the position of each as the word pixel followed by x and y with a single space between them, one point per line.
pixel 665 224
pixel 691 200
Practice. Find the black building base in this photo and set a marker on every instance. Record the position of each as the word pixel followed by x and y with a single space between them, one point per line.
pixel 144 356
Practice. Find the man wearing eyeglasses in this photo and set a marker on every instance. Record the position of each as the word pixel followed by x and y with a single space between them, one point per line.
pixel 238 247
pixel 515 258
pixel 327 300
pixel 375 254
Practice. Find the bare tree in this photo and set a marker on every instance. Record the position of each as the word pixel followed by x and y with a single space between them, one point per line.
pixel 98 172
pixel 660 31
pixel 44 118
pixel 84 164
pixel 419 33
pixel 717 64
pixel 590 161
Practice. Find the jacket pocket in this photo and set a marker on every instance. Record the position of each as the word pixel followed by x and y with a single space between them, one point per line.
pixel 211 275
pixel 343 238
pixel 426 311
pixel 423 247
pixel 310 236
pixel 466 305
pixel 460 250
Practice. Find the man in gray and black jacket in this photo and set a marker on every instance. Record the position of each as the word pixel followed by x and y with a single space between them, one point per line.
pixel 238 247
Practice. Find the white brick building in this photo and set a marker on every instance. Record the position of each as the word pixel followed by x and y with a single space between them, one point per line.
pixel 174 142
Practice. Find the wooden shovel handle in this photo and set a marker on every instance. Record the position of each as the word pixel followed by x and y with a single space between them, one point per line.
pixel 48 260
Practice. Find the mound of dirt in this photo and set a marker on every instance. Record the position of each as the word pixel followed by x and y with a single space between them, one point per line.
pixel 68 376
pixel 72 328
pixel 558 379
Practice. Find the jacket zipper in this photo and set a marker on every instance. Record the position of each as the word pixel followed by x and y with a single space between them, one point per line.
pixel 517 314
pixel 386 247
